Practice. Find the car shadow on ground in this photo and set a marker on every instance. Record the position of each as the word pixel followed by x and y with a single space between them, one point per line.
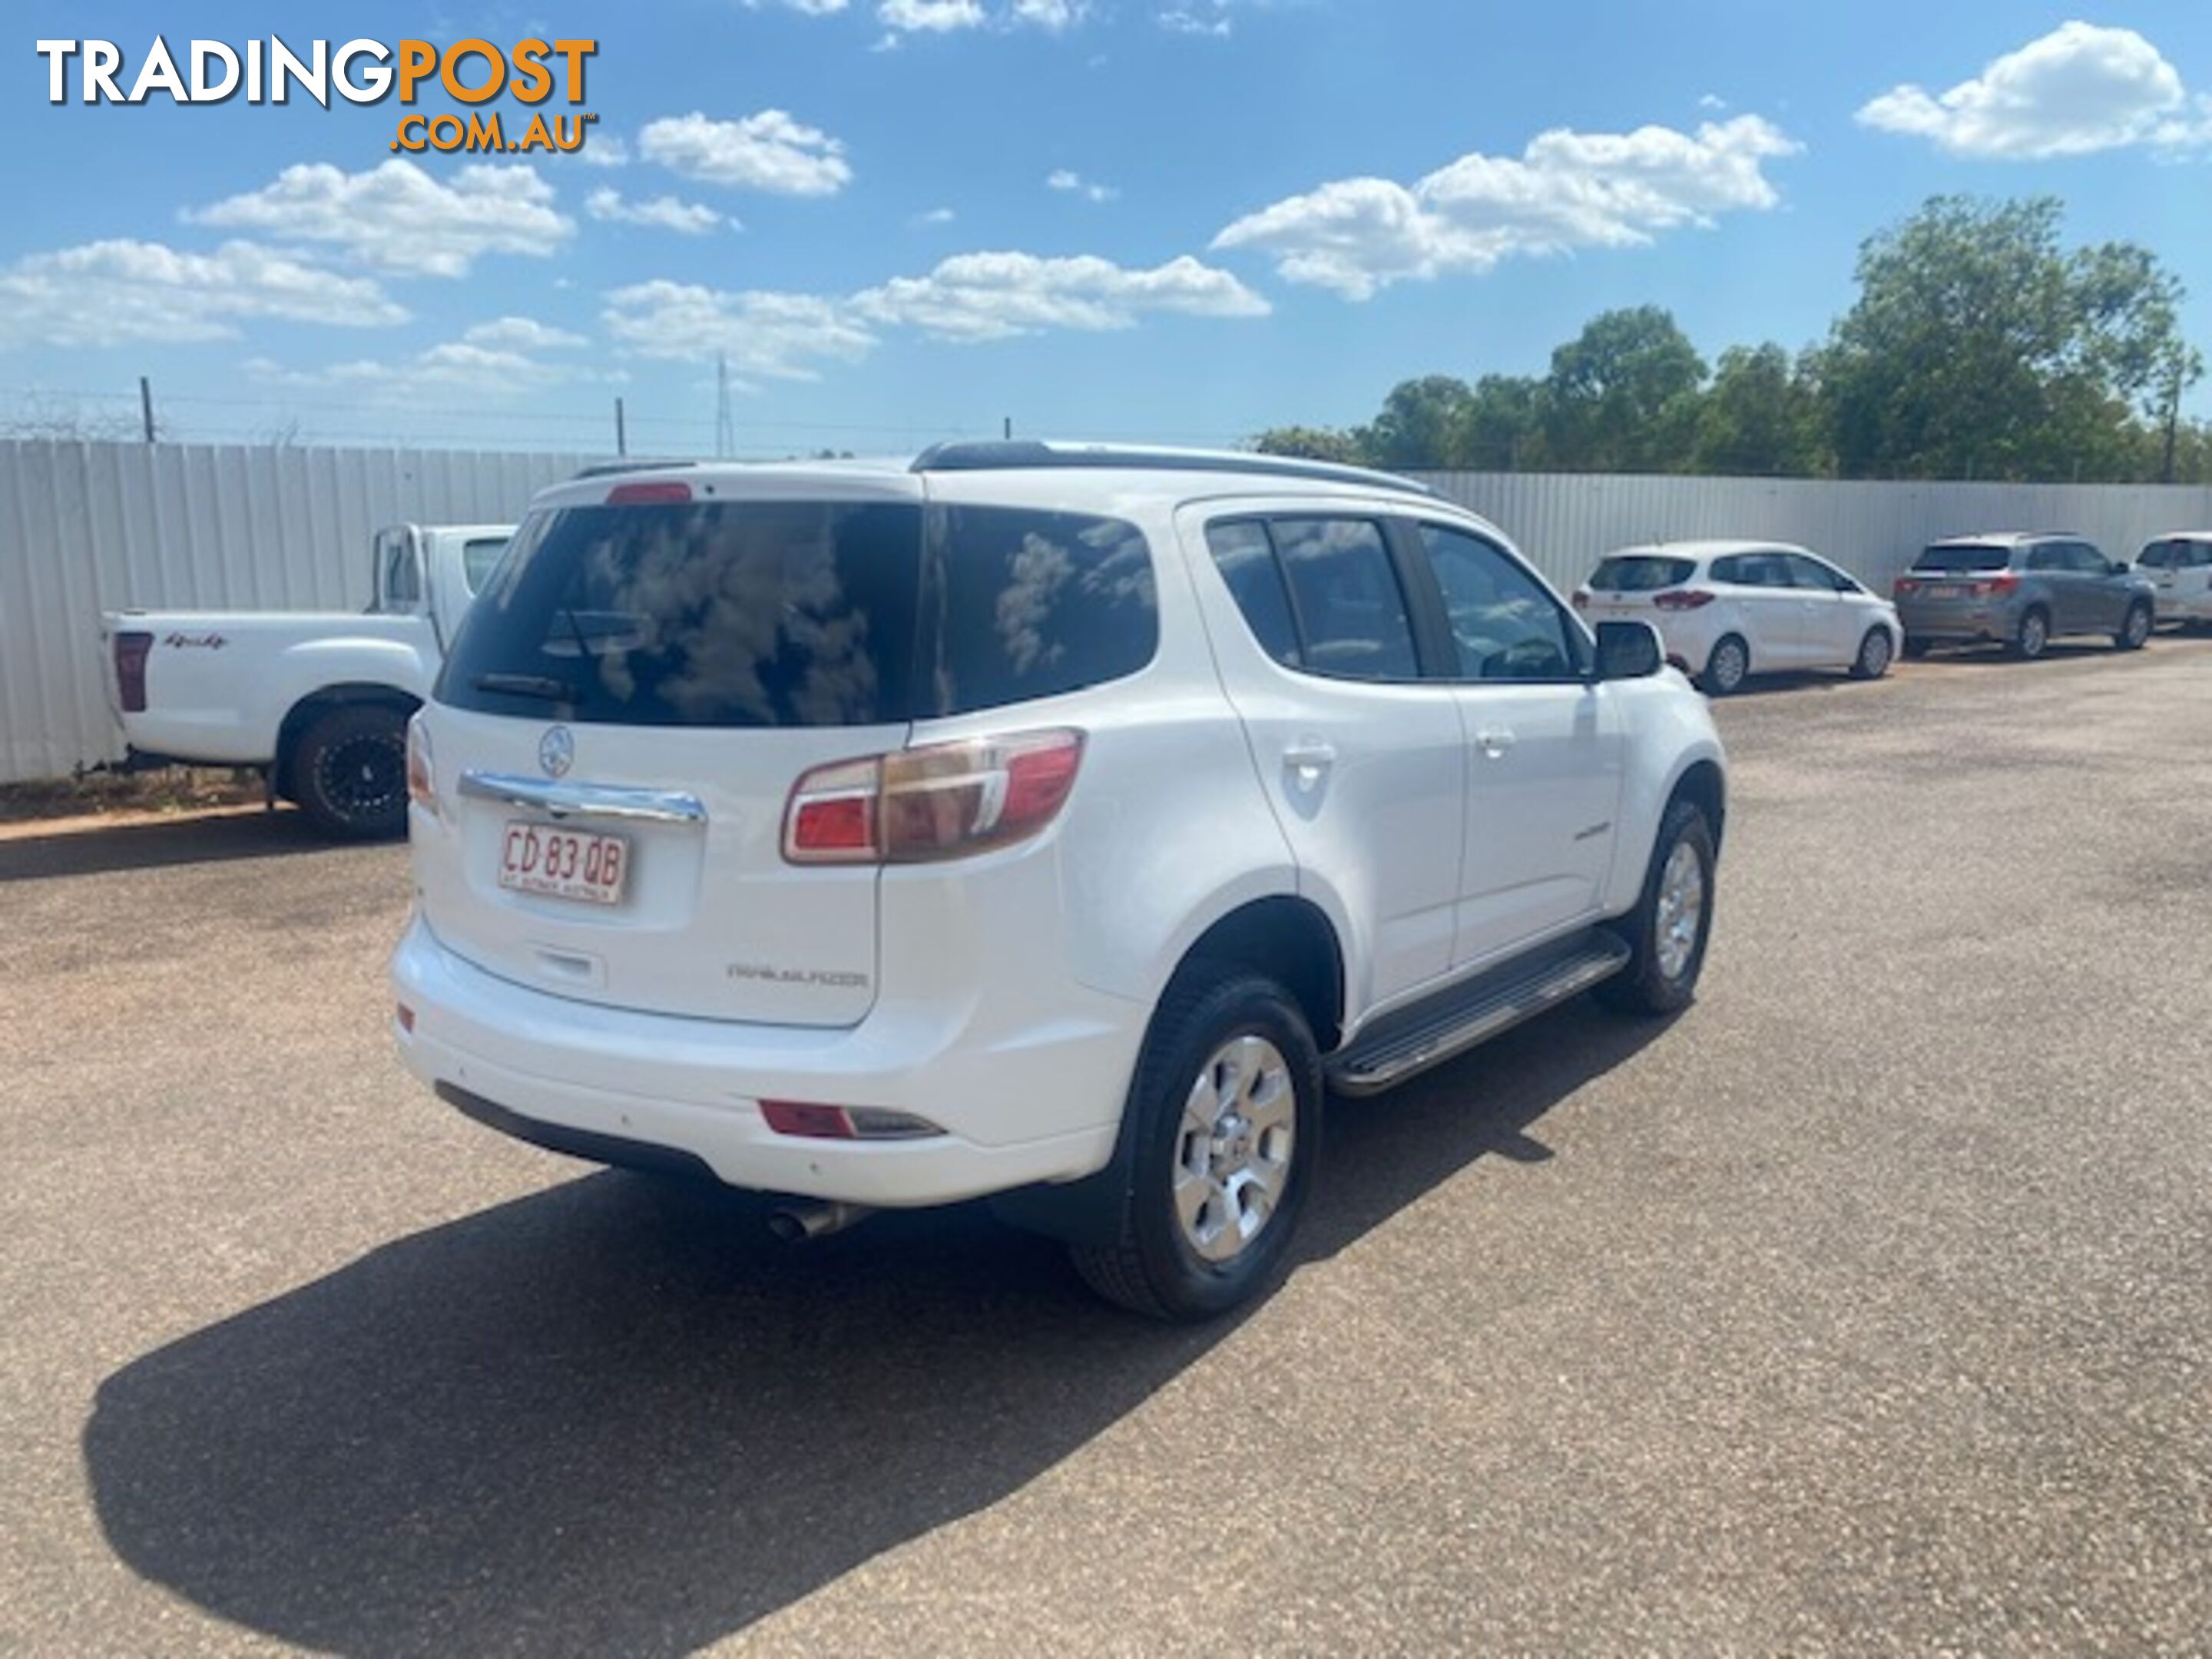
pixel 616 1417
pixel 151 843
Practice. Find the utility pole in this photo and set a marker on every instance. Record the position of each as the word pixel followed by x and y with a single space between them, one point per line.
pixel 726 431
pixel 2172 424
pixel 1007 429
pixel 622 432
pixel 146 407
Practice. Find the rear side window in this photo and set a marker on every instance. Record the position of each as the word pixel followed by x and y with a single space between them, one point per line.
pixel 711 614
pixel 1952 558
pixel 2165 556
pixel 1035 604
pixel 1351 613
pixel 1639 573
pixel 1754 570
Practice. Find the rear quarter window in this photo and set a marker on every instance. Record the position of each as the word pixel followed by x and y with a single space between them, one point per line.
pixel 1036 605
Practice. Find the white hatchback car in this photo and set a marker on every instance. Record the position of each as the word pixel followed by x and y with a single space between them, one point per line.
pixel 1729 610
pixel 2181 566
pixel 1053 824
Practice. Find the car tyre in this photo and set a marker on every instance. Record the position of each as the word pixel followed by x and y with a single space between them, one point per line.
pixel 1726 668
pixel 348 772
pixel 1229 1050
pixel 1666 932
pixel 1915 650
pixel 1873 660
pixel 2032 637
pixel 2135 632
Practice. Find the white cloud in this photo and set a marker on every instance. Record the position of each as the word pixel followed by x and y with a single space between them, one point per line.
pixel 1567 190
pixel 812 8
pixel 930 16
pixel 1063 179
pixel 993 296
pixel 665 212
pixel 941 215
pixel 1201 18
pixel 603 149
pixel 2079 89
pixel 769 151
pixel 1052 14
pixel 108 292
pixel 771 335
pixel 397 217
pixel 522 334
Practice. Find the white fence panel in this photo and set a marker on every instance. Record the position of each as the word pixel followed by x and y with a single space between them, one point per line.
pixel 87 527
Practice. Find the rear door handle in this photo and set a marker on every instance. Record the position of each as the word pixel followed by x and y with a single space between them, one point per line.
pixel 1495 742
pixel 1309 757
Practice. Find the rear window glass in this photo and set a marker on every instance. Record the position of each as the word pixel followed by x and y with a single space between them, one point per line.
pixel 479 558
pixel 1035 604
pixel 1957 557
pixel 1346 593
pixel 2177 554
pixel 1640 572
pixel 800 614
pixel 723 614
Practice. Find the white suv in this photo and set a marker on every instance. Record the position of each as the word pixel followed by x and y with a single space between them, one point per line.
pixel 1053 824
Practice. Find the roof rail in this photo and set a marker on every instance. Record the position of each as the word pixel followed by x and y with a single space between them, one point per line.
pixel 1018 454
pixel 609 469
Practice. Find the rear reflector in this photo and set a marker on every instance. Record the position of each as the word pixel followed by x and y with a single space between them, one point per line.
pixel 131 651
pixel 1682 599
pixel 812 1122
pixel 942 801
pixel 660 492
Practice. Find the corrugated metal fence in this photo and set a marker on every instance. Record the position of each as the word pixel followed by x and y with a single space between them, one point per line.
pixel 86 527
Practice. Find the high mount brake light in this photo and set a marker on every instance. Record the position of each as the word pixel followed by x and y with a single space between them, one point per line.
pixel 650 492
pixel 942 801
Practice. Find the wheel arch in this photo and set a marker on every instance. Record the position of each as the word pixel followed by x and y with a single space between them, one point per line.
pixel 1291 941
pixel 307 710
pixel 1705 787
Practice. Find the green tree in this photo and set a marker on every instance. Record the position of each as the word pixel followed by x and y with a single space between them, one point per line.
pixel 1312 443
pixel 1622 397
pixel 1502 429
pixel 1422 423
pixel 1979 347
pixel 1760 417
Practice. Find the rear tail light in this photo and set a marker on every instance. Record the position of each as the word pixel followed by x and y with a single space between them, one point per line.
pixel 946 800
pixel 649 492
pixel 812 1122
pixel 1904 587
pixel 1682 599
pixel 1995 585
pixel 421 771
pixel 131 651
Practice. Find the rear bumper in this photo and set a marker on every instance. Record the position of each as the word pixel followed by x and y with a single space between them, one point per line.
pixel 623 1087
pixel 1959 622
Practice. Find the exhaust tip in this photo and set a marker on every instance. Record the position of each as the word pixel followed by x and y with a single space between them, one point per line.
pixel 796 1221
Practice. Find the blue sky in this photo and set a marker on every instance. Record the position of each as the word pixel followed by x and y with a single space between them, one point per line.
pixel 1182 220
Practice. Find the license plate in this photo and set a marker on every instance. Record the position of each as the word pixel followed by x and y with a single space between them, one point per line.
pixel 564 864
pixel 1946 591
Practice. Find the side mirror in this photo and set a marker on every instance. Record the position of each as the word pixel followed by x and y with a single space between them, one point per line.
pixel 1628 651
pixel 2121 567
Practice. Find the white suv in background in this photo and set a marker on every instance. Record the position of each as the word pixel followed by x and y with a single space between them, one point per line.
pixel 1053 824
pixel 2180 566
pixel 1730 610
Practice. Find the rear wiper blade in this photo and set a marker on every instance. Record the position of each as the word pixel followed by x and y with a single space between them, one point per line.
pixel 541 686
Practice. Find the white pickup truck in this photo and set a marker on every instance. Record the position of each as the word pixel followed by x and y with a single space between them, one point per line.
pixel 318 701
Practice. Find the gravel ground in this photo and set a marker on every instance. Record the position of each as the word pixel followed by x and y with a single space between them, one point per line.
pixel 1865 1308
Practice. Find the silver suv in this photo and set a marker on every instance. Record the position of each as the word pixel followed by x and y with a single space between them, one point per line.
pixel 2022 589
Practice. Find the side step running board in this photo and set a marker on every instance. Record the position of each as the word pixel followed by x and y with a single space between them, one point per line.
pixel 1429 1036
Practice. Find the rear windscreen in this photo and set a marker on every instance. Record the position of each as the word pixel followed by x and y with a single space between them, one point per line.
pixel 1639 574
pixel 1952 558
pixel 800 614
